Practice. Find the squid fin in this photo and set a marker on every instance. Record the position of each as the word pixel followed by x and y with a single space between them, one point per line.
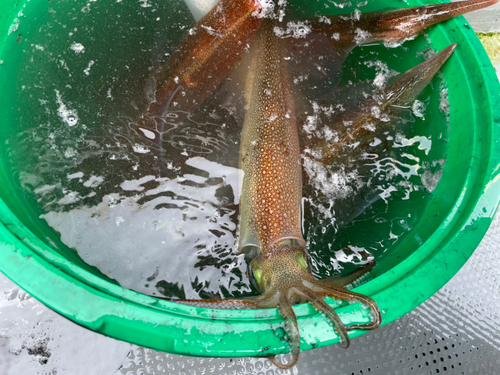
pixel 401 90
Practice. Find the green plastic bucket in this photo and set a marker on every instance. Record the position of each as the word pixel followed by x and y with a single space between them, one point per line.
pixel 453 219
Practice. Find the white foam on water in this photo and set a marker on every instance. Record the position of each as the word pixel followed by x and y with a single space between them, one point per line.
pixel 77 47
pixel 361 36
pixel 383 73
pixel 140 149
pixel 294 29
pixel 431 179
pixel 334 184
pixel 418 108
pixel 14 26
pixel 86 71
pixel 68 116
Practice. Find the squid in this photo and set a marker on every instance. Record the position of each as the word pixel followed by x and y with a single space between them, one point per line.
pixel 270 206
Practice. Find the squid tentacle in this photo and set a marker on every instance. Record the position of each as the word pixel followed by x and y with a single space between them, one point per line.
pixel 320 305
pixel 292 329
pixel 331 290
pixel 224 304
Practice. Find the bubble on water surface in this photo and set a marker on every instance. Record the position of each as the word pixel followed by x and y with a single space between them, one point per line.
pixel 141 149
pixel 68 116
pixel 70 152
pixel 87 69
pixel 383 72
pixel 295 29
pixel 15 25
pixel 432 174
pixel 333 184
pixel 77 47
pixel 418 108
pixel 361 36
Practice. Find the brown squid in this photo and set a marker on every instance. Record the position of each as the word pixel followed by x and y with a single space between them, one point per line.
pixel 270 223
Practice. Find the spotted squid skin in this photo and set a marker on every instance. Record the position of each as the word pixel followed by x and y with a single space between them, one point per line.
pixel 270 151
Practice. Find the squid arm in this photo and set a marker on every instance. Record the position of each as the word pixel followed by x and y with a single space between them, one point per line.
pixel 306 288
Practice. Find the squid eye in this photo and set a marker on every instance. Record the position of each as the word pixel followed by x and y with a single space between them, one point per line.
pixel 256 273
pixel 302 261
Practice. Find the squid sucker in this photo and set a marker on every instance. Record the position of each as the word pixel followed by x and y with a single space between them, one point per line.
pixel 270 155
